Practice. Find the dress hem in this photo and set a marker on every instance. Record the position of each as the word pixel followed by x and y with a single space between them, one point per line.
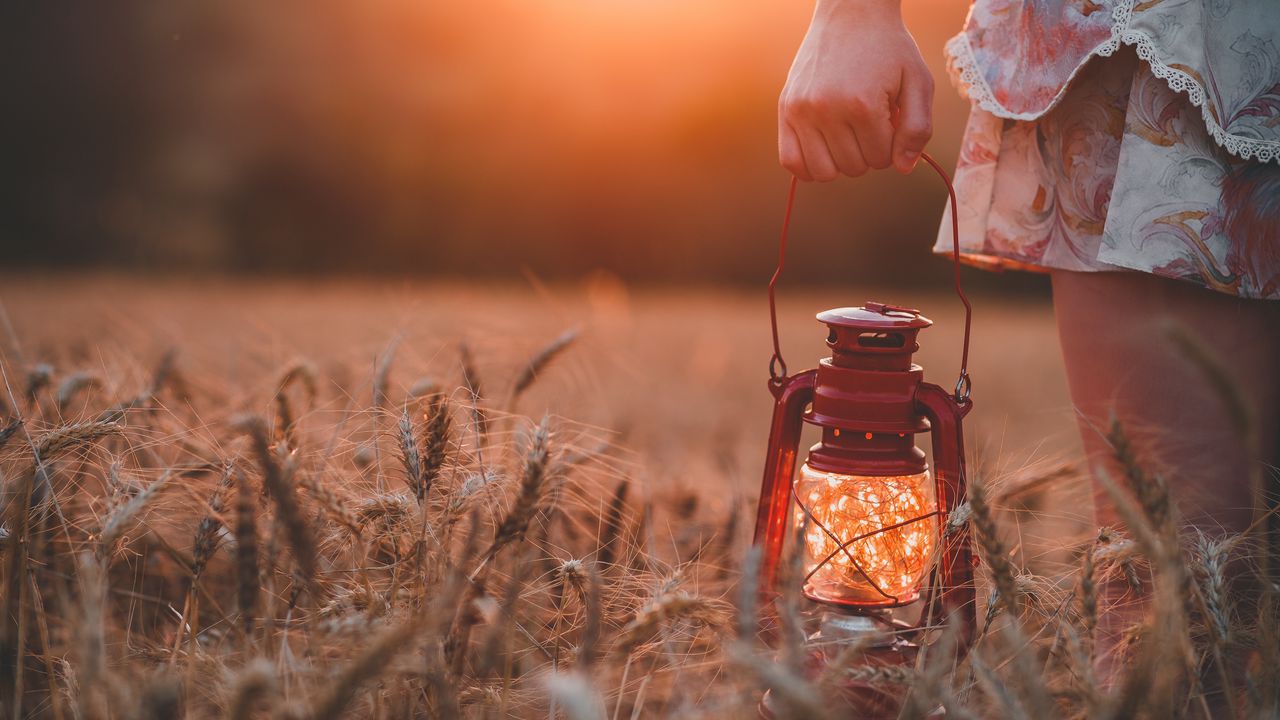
pixel 970 82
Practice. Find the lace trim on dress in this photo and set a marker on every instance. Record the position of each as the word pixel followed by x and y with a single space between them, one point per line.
pixel 972 83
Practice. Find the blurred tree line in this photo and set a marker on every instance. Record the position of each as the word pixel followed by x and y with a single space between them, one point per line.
pixel 484 138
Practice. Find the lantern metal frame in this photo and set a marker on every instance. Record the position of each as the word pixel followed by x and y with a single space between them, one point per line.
pixel 799 399
pixel 869 388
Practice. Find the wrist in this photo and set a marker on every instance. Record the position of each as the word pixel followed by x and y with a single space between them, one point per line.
pixel 862 11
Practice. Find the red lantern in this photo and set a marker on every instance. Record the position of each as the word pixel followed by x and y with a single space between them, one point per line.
pixel 872 517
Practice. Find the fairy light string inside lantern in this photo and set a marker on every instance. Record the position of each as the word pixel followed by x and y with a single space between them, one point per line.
pixel 865 532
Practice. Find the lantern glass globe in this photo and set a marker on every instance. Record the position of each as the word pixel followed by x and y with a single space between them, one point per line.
pixel 868 541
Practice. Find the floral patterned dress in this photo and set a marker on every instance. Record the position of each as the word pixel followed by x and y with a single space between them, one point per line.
pixel 1115 135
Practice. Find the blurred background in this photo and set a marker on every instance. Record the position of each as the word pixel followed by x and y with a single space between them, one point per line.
pixel 488 138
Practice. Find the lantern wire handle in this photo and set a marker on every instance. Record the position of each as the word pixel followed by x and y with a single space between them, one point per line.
pixel 778 366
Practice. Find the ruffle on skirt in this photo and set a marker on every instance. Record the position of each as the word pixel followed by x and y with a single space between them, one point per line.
pixel 1120 174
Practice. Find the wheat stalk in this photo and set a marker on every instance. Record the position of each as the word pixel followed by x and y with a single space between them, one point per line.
pixel 298 372
pixel 667 608
pixel 205 543
pixel 56 441
pixel 73 384
pixel 339 693
pixel 333 505
pixel 540 361
pixel 533 480
pixel 409 454
pixel 993 550
pixel 9 430
pixel 39 377
pixel 256 682
pixel 246 534
pixel 435 444
pixel 1149 488
pixel 124 513
pixel 471 381
pixel 279 486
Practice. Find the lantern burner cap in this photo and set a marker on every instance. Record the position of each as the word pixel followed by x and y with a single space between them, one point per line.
pixel 874 316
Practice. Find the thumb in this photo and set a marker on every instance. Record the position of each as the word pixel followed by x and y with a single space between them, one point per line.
pixel 915 119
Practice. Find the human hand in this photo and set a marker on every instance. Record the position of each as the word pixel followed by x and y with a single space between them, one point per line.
pixel 858 95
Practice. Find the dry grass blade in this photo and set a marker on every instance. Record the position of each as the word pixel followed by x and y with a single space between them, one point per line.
pixel 540 361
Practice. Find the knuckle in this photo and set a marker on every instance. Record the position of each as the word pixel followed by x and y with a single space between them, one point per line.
pixel 854 169
pixel 915 127
pixel 799 107
pixel 878 160
pixel 919 131
pixel 821 107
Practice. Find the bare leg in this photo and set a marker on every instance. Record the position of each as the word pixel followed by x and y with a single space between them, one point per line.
pixel 1120 362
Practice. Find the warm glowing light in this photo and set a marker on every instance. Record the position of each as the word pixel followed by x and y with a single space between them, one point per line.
pixel 872 567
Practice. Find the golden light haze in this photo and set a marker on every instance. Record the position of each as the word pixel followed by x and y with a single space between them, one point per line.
pixel 477 138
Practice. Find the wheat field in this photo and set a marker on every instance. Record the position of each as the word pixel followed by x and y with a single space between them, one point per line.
pixel 254 498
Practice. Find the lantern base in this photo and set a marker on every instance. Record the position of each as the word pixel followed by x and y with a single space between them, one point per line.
pixel 882 647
